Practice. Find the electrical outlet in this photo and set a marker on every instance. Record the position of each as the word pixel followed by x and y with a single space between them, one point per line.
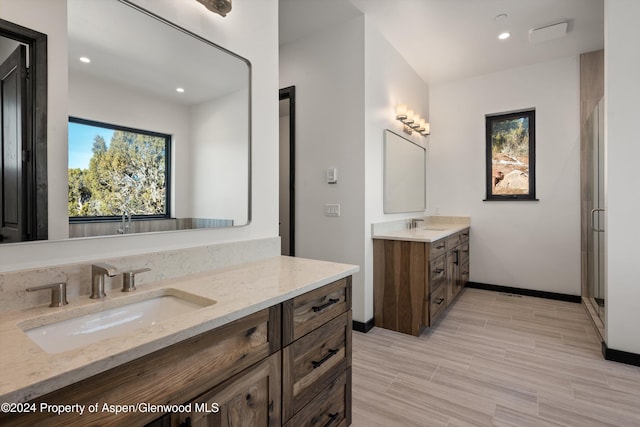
pixel 332 209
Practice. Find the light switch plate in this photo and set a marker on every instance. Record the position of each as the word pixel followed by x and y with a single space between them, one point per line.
pixel 332 176
pixel 332 210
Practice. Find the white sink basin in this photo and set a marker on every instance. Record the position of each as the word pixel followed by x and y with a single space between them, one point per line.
pixel 111 322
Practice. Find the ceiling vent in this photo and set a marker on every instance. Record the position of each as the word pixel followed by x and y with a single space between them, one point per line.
pixel 548 32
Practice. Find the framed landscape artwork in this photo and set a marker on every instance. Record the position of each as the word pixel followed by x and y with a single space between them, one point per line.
pixel 510 158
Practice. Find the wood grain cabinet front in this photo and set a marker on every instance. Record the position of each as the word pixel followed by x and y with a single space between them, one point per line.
pixel 316 329
pixel 414 282
pixel 309 311
pixel 313 361
pixel 332 407
pixel 251 398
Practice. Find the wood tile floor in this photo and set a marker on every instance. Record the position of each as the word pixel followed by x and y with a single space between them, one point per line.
pixel 493 360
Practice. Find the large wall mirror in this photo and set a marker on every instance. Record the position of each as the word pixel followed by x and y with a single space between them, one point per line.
pixel 405 171
pixel 134 76
pixel 159 129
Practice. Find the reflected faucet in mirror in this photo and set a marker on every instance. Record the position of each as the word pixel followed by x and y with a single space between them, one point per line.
pixel 126 224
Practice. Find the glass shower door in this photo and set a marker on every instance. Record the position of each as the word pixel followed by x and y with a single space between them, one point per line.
pixel 596 277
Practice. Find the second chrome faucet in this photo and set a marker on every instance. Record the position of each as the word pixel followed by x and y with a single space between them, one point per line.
pixel 98 273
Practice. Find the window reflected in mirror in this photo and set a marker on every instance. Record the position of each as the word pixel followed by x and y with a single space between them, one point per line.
pixel 116 171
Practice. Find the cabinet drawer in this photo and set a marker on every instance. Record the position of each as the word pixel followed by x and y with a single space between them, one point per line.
pixel 464 236
pixel 437 303
pixel 453 241
pixel 437 271
pixel 332 407
pixel 307 312
pixel 437 248
pixel 313 361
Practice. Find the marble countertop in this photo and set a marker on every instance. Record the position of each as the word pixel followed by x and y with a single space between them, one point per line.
pixel 28 371
pixel 429 230
pixel 429 234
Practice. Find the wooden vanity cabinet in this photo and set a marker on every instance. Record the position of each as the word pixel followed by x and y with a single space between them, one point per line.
pixel 414 282
pixel 287 364
pixel 173 375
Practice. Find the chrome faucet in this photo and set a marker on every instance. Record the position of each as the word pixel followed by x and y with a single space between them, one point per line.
pixel 414 222
pixel 126 223
pixel 98 273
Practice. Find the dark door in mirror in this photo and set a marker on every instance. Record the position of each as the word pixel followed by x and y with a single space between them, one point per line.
pixel 23 134
pixel 14 195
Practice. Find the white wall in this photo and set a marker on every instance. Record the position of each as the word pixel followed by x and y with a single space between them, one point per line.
pixel 389 81
pixel 348 81
pixel 327 70
pixel 622 91
pixel 531 245
pixel 92 98
pixel 219 159
pixel 250 31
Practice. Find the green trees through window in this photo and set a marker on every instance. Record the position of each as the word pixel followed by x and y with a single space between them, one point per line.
pixel 115 170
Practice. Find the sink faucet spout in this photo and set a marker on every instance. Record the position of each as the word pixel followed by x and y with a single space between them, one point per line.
pixel 98 273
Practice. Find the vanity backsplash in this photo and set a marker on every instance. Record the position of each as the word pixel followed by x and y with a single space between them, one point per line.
pixel 162 265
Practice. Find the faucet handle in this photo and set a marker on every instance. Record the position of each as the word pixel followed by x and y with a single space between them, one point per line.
pixel 129 279
pixel 58 293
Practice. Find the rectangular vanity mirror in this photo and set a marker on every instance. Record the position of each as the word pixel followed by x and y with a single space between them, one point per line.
pixel 405 172
pixel 131 82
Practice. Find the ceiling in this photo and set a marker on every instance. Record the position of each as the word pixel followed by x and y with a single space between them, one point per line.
pixel 447 40
pixel 147 55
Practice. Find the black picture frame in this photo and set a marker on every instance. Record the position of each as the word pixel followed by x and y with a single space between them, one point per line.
pixel 511 156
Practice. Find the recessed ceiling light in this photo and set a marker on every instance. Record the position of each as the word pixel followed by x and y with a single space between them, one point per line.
pixel 85 59
pixel 180 89
pixel 504 36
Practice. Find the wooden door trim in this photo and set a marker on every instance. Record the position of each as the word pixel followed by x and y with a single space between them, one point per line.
pixel 290 94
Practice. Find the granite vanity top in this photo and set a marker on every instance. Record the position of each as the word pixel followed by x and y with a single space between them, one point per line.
pixel 28 371
pixel 428 230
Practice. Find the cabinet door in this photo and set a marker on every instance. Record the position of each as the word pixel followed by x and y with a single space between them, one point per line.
pixel 250 399
pixel 452 268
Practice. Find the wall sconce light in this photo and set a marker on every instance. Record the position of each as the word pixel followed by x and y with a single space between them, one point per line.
pixel 411 121
pixel 221 7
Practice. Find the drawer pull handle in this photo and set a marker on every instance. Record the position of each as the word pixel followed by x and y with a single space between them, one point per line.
pixel 439 270
pixel 440 247
pixel 332 352
pixel 332 418
pixel 439 301
pixel 318 308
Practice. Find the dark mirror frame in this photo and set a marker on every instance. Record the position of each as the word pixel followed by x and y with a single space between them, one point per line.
pixel 490 184
pixel 36 189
